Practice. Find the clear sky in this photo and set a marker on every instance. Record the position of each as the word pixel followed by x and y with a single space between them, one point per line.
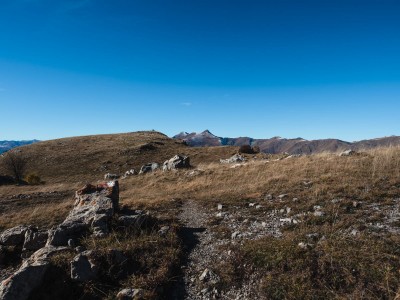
pixel 311 69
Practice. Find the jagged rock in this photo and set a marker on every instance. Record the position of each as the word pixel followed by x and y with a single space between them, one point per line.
pixel 29 276
pixel 94 207
pixel 130 293
pixel 34 239
pixel 110 176
pixel 268 197
pixel 83 267
pixel 150 167
pixel 177 162
pixel 347 153
pixel 237 158
pixel 14 236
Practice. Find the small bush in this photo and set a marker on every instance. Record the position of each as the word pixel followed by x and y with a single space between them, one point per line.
pixel 33 179
pixel 246 149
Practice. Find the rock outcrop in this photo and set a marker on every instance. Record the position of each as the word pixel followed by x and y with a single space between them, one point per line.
pixel 93 209
pixel 177 162
pixel 94 206
pixel 29 276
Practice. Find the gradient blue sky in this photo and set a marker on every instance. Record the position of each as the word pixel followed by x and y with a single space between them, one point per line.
pixel 315 69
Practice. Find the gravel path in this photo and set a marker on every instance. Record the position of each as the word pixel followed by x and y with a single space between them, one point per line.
pixel 199 281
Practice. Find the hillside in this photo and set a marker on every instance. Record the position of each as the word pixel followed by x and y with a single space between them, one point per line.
pixel 277 145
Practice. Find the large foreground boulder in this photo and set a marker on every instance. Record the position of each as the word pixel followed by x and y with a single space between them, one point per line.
pixel 177 162
pixel 93 209
pixel 29 276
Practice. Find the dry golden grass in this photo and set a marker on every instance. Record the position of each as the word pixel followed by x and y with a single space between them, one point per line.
pixel 366 176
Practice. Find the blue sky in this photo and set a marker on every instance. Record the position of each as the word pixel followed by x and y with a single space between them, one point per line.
pixel 315 69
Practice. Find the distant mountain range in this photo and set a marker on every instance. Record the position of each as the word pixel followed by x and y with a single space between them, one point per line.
pixel 280 145
pixel 7 145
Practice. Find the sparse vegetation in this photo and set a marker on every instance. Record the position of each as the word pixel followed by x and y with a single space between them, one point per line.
pixel 33 179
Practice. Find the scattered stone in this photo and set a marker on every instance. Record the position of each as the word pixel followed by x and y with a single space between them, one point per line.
pixel 356 204
pixel 235 235
pixel 347 153
pixel 295 199
pixel 110 176
pixel 83 268
pixel 71 243
pixel 283 196
pixel 251 204
pixel 177 162
pixel 130 294
pixel 237 158
pixel 318 213
pixel 130 172
pixel 163 230
pixel 209 276
pixel 219 207
pixel 14 236
pixel 268 197
pixel 307 183
pixel 334 201
pixel 150 167
pixel 258 206
pixel 305 246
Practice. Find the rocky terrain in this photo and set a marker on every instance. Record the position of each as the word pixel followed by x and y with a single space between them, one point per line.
pixel 277 145
pixel 203 223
